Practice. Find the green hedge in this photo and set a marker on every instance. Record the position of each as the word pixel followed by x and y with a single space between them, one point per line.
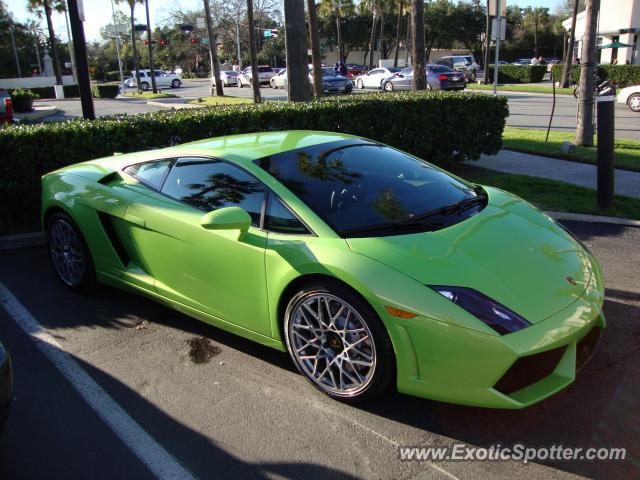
pixel 623 75
pixel 70 91
pixel 105 90
pixel 442 127
pixel 519 73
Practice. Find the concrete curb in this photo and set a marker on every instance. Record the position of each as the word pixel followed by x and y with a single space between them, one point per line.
pixel 37 239
pixel 177 105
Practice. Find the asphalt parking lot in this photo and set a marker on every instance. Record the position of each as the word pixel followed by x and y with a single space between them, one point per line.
pixel 223 407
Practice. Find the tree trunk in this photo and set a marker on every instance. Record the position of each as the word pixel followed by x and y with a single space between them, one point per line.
pixel 341 55
pixel 296 45
pixel 372 41
pixel 487 46
pixel 407 40
pixel 398 29
pixel 52 41
pixel 255 79
pixel 566 73
pixel 152 71
pixel 383 54
pixel 584 132
pixel 213 51
pixel 316 59
pixel 134 47
pixel 418 54
pixel 535 39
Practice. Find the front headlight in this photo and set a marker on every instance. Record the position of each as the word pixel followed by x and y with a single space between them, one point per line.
pixel 492 313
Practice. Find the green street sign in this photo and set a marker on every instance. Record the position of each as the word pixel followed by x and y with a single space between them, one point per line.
pixel 205 41
pixel 266 33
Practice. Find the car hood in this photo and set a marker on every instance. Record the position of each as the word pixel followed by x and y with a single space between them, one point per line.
pixel 509 251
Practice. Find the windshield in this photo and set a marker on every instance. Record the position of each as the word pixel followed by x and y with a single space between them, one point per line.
pixel 440 68
pixel 264 69
pixel 360 188
pixel 328 72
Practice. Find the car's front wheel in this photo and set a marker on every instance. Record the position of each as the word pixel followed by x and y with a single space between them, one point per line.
pixel 388 87
pixel 69 253
pixel 360 84
pixel 176 83
pixel 144 86
pixel 338 342
pixel 634 102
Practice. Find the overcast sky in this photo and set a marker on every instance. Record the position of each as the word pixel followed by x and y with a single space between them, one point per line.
pixel 98 12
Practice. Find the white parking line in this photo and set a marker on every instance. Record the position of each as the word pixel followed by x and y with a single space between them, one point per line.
pixel 150 453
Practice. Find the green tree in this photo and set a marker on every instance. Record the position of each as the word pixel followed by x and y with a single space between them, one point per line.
pixel 47 7
pixel 536 19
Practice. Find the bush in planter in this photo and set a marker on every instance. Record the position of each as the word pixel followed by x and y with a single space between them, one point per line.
pixel 519 73
pixel 22 99
pixel 106 90
pixel 623 75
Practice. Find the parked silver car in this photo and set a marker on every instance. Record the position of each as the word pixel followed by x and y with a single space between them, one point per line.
pixel 246 76
pixel 439 77
pixel 332 82
pixel 227 77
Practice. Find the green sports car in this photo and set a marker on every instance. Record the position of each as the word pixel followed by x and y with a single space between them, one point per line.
pixel 369 266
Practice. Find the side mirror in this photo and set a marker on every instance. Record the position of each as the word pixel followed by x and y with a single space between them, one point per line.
pixel 227 218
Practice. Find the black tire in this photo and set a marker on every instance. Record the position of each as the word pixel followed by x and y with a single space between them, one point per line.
pixel 388 87
pixel 634 102
pixel 360 84
pixel 86 278
pixel 384 365
pixel 176 83
pixel 429 87
pixel 240 83
pixel 144 86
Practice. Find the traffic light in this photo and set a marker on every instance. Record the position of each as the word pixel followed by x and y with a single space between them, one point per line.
pixel 194 41
pixel 35 70
pixel 163 42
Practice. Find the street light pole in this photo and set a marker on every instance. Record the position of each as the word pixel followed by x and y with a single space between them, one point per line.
pixel 35 44
pixel 238 42
pixel 213 52
pixel 152 71
pixel 15 51
pixel 115 31
pixel 496 65
pixel 71 54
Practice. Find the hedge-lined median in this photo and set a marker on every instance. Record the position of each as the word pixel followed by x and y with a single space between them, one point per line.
pixel 519 73
pixel 623 75
pixel 441 127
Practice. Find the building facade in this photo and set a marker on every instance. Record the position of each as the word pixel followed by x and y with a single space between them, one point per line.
pixel 619 22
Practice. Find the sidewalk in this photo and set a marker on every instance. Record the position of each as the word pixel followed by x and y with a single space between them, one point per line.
pixel 626 182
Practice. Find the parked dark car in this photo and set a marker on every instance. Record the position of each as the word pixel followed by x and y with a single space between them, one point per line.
pixel 6 107
pixel 6 385
pixel 355 69
pixel 439 77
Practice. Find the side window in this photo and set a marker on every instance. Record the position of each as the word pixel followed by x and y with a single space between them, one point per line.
pixel 151 174
pixel 211 184
pixel 280 219
pixel 375 71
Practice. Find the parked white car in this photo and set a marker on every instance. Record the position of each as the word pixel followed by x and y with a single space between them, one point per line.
pixel 163 79
pixel 227 77
pixel 630 96
pixel 264 75
pixel 374 78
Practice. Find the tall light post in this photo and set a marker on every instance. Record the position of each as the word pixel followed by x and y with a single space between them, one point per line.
pixel 15 51
pixel 213 52
pixel 74 70
pixel 115 31
pixel 35 44
pixel 152 71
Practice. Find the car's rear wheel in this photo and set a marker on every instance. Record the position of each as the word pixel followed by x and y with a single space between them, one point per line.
pixel 240 83
pixel 144 86
pixel 338 342
pixel 634 102
pixel 388 86
pixel 360 84
pixel 69 253
pixel 176 83
pixel 273 85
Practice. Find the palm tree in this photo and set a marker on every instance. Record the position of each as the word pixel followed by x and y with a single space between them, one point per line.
pixel 316 59
pixel 398 31
pixel 536 18
pixel 255 80
pixel 328 7
pixel 374 6
pixel 132 7
pixel 418 53
pixel 37 6
pixel 568 59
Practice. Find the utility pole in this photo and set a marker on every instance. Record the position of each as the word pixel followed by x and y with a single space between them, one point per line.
pixel 584 132
pixel 496 66
pixel 487 42
pixel 336 4
pixel 238 41
pixel 296 46
pixel 566 73
pixel 115 31
pixel 418 54
pixel 398 28
pixel 213 52
pixel 80 49
pixel 255 79
pixel 152 71
pixel 316 59
pixel 35 44
pixel 15 51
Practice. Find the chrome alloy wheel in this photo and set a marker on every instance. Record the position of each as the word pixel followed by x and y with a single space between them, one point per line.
pixel 634 103
pixel 67 252
pixel 332 344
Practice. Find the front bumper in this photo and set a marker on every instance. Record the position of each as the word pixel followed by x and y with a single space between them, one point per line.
pixel 453 364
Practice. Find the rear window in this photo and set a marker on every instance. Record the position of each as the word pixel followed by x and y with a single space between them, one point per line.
pixel 264 69
pixel 440 69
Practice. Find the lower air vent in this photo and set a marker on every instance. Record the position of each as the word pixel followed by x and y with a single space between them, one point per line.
pixel 107 224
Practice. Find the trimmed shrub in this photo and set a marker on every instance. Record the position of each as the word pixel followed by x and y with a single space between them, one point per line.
pixel 623 75
pixel 70 91
pixel 441 127
pixel 519 73
pixel 105 90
